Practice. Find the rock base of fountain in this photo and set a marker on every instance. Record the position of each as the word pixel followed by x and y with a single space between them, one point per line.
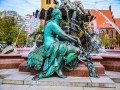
pixel 80 71
pixel 111 63
pixel 10 61
pixel 101 63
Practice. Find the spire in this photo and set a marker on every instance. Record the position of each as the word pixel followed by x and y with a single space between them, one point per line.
pixel 110 7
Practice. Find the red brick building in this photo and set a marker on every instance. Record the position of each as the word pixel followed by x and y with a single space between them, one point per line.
pixel 105 24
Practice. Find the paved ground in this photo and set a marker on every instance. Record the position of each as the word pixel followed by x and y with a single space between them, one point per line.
pixel 26 87
pixel 115 76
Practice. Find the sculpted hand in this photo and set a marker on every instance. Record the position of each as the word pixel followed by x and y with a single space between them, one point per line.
pixel 76 38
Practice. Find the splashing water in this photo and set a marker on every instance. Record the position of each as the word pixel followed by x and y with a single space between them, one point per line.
pixel 89 21
pixel 95 26
pixel 38 15
pixel 68 20
pixel 34 45
pixel 95 29
pixel 73 20
pixel 51 3
pixel 45 17
pixel 110 21
pixel 32 21
pixel 23 24
pixel 33 48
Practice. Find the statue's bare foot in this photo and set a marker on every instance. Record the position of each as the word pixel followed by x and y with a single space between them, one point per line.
pixel 36 78
pixel 63 76
pixel 94 75
pixel 97 76
pixel 60 74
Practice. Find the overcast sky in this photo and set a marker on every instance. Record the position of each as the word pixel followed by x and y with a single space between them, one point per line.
pixel 24 7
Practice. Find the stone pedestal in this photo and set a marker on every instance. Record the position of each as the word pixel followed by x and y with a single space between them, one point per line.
pixel 10 61
pixel 99 68
pixel 23 67
pixel 80 71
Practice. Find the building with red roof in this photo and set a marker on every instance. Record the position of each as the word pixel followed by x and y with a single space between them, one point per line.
pixel 117 22
pixel 105 23
pixel 29 16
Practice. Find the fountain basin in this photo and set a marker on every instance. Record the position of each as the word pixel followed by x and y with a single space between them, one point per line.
pixel 111 63
pixel 101 63
pixel 113 51
pixel 10 61
pixel 23 49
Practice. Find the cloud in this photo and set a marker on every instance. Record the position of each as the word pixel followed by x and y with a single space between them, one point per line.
pixel 24 7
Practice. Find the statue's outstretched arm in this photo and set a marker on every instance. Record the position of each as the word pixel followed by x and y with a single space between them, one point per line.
pixel 61 33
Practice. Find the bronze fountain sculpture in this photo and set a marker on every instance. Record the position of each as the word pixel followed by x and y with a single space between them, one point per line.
pixel 62 49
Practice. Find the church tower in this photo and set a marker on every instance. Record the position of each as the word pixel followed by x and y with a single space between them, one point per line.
pixel 46 4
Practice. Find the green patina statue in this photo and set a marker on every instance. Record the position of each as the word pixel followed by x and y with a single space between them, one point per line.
pixel 56 54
